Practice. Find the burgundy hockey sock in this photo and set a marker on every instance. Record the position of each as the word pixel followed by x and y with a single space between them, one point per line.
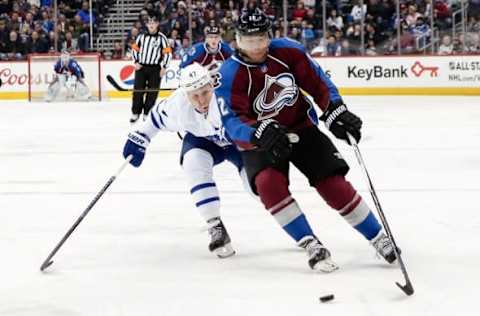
pixel 340 195
pixel 272 187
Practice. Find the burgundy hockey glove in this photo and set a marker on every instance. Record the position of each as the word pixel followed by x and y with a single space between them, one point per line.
pixel 272 138
pixel 340 121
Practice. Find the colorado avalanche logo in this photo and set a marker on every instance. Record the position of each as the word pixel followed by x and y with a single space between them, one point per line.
pixel 279 91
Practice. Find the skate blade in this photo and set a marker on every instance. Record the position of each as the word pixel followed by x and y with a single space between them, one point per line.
pixel 225 251
pixel 326 265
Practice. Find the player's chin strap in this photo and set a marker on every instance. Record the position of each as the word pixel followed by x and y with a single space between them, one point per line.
pixel 407 288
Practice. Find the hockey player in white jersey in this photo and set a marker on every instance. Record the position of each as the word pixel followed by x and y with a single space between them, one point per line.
pixel 68 81
pixel 192 110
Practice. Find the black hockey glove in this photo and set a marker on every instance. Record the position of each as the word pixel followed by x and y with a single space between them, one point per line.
pixel 340 121
pixel 272 138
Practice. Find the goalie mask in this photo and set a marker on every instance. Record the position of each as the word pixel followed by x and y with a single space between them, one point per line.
pixel 65 57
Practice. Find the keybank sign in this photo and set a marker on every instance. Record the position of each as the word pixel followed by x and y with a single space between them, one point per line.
pixel 376 72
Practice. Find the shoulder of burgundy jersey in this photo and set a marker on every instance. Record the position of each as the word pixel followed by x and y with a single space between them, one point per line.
pixel 195 53
pixel 198 49
pixel 286 43
pixel 228 72
pixel 226 49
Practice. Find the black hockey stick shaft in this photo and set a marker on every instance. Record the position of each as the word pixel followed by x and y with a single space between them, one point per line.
pixel 119 88
pixel 408 287
pixel 49 261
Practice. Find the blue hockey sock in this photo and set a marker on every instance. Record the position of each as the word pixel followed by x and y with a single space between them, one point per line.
pixel 363 220
pixel 288 215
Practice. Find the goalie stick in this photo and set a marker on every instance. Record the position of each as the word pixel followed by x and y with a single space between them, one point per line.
pixel 407 288
pixel 119 88
pixel 49 260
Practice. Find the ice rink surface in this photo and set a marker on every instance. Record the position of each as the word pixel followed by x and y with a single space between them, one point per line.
pixel 140 250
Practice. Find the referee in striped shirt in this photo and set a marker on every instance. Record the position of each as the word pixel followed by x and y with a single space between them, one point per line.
pixel 152 55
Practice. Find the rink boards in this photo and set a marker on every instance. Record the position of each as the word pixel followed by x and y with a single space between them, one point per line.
pixel 386 75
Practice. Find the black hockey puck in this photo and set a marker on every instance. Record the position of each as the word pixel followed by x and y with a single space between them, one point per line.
pixel 326 298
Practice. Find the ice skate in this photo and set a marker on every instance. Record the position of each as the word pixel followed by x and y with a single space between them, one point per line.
pixel 319 258
pixel 384 247
pixel 220 243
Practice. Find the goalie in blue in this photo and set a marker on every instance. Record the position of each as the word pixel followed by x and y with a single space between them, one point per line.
pixel 68 82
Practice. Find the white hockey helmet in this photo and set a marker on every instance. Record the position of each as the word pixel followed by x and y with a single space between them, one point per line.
pixel 194 77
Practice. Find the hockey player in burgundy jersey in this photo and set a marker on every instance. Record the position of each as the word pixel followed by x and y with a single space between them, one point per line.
pixel 262 98
pixel 210 54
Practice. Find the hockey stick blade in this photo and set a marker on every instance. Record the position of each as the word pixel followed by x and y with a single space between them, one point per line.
pixel 407 288
pixel 115 84
pixel 45 265
pixel 119 88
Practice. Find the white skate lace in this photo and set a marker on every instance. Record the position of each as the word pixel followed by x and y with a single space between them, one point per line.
pixel 383 246
pixel 216 232
pixel 313 248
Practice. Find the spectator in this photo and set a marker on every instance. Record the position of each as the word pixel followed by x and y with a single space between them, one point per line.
pixel 446 47
pixel 228 28
pixel 354 36
pixel 473 43
pixel 412 16
pixel 319 50
pixel 371 49
pixel 442 14
pixel 37 44
pixel 14 48
pixel 27 25
pixel 358 12
pixel 70 44
pixel 117 52
pixel 334 21
pixel 15 21
pixel 346 49
pixel 175 43
pixel 474 24
pixel 51 42
pixel 84 13
pixel 47 24
pixel 333 49
pixel 62 23
pixel 421 31
pixel 5 7
pixel 184 48
pixel 299 12
pixel 4 35
pixel 307 35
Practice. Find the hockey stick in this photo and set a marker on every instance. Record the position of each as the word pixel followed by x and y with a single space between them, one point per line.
pixel 48 261
pixel 407 288
pixel 119 88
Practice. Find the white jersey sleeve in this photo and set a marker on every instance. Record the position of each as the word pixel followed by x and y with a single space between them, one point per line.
pixel 176 114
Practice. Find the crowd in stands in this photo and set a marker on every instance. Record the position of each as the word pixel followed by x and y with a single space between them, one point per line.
pixel 344 19
pixel 28 26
